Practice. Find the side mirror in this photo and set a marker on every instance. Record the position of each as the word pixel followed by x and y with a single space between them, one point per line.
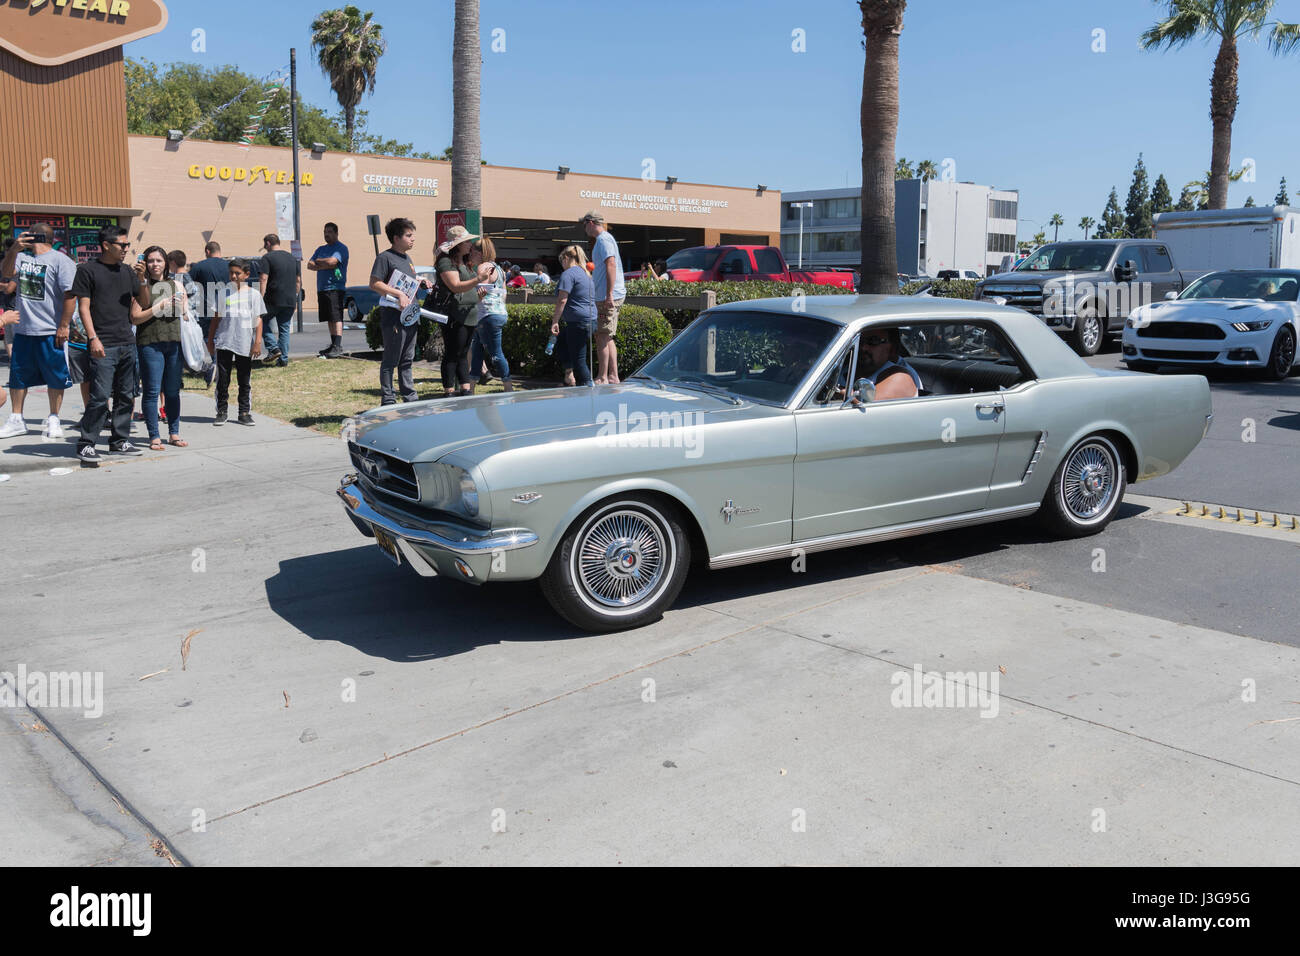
pixel 1125 271
pixel 1171 295
pixel 865 391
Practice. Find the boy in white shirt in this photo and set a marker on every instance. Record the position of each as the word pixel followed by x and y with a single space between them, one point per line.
pixel 235 338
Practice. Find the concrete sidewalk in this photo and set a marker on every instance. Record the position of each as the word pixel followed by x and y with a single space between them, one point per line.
pixel 333 708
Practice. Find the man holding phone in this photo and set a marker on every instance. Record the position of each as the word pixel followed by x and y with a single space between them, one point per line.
pixel 44 298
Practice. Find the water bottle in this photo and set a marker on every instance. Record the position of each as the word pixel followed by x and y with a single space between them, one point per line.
pixel 550 345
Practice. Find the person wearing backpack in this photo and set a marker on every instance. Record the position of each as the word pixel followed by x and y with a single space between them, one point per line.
pixel 456 297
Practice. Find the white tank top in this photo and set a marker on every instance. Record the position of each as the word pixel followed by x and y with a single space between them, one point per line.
pixel 884 371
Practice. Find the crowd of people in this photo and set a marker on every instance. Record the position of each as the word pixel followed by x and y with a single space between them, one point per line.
pixel 122 330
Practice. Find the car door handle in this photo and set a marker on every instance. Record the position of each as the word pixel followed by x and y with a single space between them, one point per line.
pixel 997 408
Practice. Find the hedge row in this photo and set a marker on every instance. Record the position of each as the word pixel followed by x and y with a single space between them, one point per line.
pixel 641 333
pixel 944 288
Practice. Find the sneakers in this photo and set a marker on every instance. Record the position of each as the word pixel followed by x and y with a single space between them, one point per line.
pixel 14 427
pixel 272 357
pixel 53 427
pixel 333 352
pixel 124 447
pixel 88 456
pixel 246 418
pixel 220 419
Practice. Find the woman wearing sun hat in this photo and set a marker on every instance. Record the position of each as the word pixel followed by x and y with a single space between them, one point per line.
pixel 461 306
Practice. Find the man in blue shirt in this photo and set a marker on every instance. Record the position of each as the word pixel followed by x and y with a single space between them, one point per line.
pixel 212 276
pixel 330 263
pixel 608 280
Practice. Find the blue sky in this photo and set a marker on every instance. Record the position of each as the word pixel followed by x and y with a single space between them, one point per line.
pixel 1010 90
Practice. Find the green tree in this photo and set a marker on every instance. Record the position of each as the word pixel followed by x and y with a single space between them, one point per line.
pixel 1112 218
pixel 1186 199
pixel 348 45
pixel 1086 224
pixel 466 93
pixel 1226 21
pixel 926 170
pixel 1250 201
pixel 1137 209
pixel 1039 238
pixel 1200 188
pixel 1282 199
pixel 882 22
pixel 1161 199
pixel 903 169
pixel 1056 222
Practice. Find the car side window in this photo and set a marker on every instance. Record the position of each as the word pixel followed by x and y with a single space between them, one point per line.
pixel 960 358
pixel 1134 253
pixel 736 263
pixel 769 260
pixel 829 392
pixel 1158 259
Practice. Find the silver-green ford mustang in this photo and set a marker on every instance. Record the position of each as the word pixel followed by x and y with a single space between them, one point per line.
pixel 757 434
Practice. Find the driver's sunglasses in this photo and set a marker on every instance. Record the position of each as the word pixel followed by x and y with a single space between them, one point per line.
pixel 876 340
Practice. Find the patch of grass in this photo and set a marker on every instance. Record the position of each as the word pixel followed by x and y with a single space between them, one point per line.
pixel 319 393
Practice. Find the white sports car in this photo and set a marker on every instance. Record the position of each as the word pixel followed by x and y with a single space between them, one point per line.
pixel 1237 319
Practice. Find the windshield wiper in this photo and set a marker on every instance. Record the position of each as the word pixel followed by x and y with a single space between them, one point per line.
pixel 708 387
pixel 647 378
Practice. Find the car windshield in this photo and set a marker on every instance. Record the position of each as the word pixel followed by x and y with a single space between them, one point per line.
pixel 1269 286
pixel 759 355
pixel 1068 257
pixel 699 258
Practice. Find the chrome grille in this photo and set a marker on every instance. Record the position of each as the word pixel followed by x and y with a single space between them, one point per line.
pixel 1181 330
pixel 1027 297
pixel 385 472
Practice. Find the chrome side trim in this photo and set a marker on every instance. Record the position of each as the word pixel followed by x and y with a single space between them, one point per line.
pixel 854 538
pixel 1033 459
pixel 457 539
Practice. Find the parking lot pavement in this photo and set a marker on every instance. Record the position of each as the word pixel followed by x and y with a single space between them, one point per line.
pixel 332 708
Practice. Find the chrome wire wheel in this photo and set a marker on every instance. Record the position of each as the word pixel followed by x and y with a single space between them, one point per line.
pixel 1088 481
pixel 621 558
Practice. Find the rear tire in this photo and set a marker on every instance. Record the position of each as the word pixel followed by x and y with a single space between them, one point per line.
pixel 1086 490
pixel 620 565
pixel 1282 357
pixel 354 314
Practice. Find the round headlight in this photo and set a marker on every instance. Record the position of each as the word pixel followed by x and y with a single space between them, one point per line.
pixel 468 494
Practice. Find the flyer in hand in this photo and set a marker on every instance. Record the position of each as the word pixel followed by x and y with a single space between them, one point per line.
pixel 408 285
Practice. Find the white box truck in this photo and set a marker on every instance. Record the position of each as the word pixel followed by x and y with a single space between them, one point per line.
pixel 1258 237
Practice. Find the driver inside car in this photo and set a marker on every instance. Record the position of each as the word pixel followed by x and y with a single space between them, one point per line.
pixel 880 361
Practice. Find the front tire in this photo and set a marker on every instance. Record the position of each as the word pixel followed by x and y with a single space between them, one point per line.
pixel 1086 490
pixel 354 314
pixel 1282 357
pixel 619 566
pixel 1089 331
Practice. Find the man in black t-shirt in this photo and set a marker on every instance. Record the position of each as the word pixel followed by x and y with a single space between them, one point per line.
pixel 280 284
pixel 212 275
pixel 106 289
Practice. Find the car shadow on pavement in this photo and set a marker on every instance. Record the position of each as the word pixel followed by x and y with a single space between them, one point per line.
pixel 357 596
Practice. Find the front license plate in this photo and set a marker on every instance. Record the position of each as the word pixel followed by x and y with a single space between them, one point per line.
pixel 387 544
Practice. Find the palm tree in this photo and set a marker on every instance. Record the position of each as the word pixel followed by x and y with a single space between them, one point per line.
pixel 1199 189
pixel 466 91
pixel 903 169
pixel 1228 20
pixel 1040 238
pixel 882 22
pixel 1086 224
pixel 927 170
pixel 1056 222
pixel 348 45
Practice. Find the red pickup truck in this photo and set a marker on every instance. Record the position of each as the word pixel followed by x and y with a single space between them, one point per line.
pixel 745 263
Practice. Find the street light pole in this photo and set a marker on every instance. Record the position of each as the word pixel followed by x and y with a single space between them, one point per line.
pixel 801 206
pixel 293 132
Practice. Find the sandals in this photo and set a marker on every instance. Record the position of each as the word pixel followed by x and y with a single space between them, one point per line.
pixel 178 442
pixel 156 444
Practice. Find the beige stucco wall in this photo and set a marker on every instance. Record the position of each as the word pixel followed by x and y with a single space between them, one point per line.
pixel 181 211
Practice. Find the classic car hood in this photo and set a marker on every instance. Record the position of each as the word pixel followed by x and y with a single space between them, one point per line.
pixel 426 431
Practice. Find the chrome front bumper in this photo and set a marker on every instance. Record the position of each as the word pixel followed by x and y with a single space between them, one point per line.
pixel 433 547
